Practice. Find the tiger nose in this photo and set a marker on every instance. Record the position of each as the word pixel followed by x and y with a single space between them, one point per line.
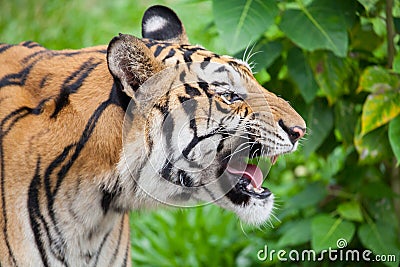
pixel 294 133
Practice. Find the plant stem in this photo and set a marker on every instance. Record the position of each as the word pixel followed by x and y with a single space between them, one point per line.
pixel 390 32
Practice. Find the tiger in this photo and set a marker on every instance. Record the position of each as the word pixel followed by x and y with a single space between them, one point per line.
pixel 88 135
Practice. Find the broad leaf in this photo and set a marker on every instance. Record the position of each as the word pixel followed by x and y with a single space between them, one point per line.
pixel 372 147
pixel 301 72
pixel 335 162
pixel 396 63
pixel 310 196
pixel 379 109
pixel 369 5
pixel 321 25
pixel 345 120
pixel 242 22
pixel 350 211
pixel 328 232
pixel 295 233
pixel 376 79
pixel 364 39
pixel 381 239
pixel 377 190
pixel 331 73
pixel 394 137
pixel 320 122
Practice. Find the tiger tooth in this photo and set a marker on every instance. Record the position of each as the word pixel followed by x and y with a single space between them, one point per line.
pixel 258 190
pixel 274 159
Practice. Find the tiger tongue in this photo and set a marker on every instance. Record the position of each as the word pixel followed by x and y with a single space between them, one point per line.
pixel 251 172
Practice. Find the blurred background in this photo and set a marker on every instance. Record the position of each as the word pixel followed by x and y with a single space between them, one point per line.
pixel 337 62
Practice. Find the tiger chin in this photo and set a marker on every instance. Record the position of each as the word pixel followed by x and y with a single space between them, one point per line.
pixel 88 135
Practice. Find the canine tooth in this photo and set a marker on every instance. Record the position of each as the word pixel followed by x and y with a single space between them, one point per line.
pixel 258 190
pixel 274 159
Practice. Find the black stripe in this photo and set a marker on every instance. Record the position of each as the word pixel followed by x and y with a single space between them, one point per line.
pixel 35 215
pixel 125 261
pixel 182 76
pixel 192 91
pixel 151 43
pixel 69 161
pixel 121 230
pixel 187 56
pixel 220 69
pixel 190 108
pixel 108 198
pixel 171 53
pixel 14 117
pixel 44 80
pixel 204 86
pixel 205 62
pixel 26 59
pixel 30 44
pixel 158 51
pixel 101 248
pixel 16 78
pixel 65 53
pixel 166 170
pixel 73 83
pixel 89 128
pixel 5 47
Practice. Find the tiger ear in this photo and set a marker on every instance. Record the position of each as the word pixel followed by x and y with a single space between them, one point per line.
pixel 130 62
pixel 161 23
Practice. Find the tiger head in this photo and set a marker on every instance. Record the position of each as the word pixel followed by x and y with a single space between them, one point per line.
pixel 194 121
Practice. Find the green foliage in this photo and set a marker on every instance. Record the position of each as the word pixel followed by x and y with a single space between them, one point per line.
pixel 330 60
pixel 240 21
pixel 326 231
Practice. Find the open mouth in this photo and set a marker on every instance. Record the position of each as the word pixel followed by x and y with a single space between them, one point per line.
pixel 250 176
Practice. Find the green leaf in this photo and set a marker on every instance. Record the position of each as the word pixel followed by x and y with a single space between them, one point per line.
pixel 327 232
pixel 320 120
pixel 335 162
pixel 346 118
pixel 368 4
pixel 396 63
pixel 310 196
pixel 382 209
pixel 377 190
pixel 301 72
pixel 321 25
pixel 379 109
pixel 381 239
pixel 350 211
pixel 242 22
pixel 262 55
pixel 394 137
pixel 376 79
pixel 295 233
pixel 363 39
pixel 372 147
pixel 331 73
